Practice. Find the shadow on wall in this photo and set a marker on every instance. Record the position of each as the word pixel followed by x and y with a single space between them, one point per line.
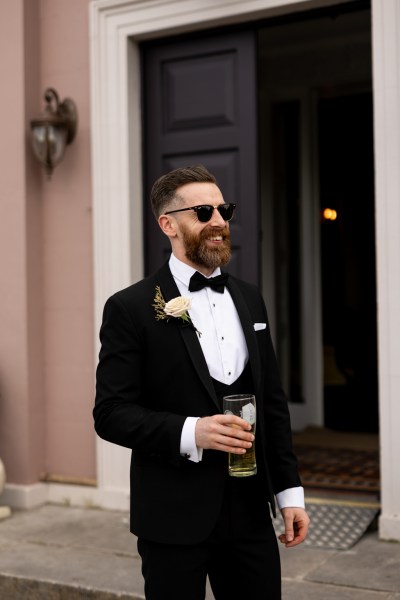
pixel 4 510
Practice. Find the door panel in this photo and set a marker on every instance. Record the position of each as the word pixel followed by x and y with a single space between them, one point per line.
pixel 199 106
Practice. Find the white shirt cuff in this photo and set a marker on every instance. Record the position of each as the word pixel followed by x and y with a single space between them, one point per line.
pixel 188 441
pixel 291 498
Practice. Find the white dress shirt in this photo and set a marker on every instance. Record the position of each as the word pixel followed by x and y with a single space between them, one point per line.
pixel 222 340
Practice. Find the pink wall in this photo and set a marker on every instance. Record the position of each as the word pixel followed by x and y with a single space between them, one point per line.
pixel 21 331
pixel 46 300
pixel 67 252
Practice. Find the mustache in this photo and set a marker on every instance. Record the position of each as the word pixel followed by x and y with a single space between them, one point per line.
pixel 214 231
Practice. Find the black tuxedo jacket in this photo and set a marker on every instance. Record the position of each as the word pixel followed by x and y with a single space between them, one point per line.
pixel 151 376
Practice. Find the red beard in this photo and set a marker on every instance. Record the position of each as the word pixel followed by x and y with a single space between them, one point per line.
pixel 199 253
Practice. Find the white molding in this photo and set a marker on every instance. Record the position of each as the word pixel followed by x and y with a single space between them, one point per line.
pixel 145 19
pixel 386 70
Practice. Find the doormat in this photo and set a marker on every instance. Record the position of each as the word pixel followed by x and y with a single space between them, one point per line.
pixel 339 469
pixel 336 525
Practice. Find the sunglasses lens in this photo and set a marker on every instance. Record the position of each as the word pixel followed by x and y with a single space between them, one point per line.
pixel 204 213
pixel 226 211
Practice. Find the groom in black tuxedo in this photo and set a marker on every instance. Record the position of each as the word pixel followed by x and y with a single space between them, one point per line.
pixel 162 374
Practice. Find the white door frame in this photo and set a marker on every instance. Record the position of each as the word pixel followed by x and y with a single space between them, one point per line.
pixel 117 26
pixel 386 88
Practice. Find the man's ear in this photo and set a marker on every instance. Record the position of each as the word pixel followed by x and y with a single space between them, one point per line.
pixel 168 225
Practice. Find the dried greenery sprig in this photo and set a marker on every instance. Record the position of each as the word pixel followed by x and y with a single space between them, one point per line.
pixel 176 308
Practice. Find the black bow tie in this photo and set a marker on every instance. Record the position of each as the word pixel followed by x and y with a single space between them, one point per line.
pixel 198 282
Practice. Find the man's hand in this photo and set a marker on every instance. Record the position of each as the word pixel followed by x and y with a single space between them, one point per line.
pixel 227 433
pixel 296 526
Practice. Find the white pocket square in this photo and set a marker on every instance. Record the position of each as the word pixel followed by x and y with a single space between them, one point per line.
pixel 259 326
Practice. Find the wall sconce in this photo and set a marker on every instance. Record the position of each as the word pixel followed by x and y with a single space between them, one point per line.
pixel 54 130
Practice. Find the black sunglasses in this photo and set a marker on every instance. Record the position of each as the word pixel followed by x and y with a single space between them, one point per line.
pixel 205 211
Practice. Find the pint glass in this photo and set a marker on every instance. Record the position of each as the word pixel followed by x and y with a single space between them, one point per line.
pixel 244 406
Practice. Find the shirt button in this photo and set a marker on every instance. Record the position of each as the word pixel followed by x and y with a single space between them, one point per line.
pixel 222 338
pixel 187 455
pixel 229 373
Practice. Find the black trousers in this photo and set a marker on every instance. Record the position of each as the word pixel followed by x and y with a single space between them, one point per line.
pixel 241 557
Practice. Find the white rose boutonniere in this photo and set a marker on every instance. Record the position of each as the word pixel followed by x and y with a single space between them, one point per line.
pixel 177 308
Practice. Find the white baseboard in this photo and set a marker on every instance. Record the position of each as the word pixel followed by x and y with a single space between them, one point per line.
pixel 26 497
pixel 77 495
pixel 389 527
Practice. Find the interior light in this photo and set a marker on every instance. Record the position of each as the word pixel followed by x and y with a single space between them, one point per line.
pixel 329 214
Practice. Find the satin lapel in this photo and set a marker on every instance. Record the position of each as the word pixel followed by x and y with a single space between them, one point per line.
pixel 248 330
pixel 170 290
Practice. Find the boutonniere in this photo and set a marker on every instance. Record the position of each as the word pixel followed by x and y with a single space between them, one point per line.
pixel 177 308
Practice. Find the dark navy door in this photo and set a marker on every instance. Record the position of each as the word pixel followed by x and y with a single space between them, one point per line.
pixel 199 106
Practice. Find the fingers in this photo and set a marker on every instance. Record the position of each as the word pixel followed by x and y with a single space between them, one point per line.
pixel 296 526
pixel 226 433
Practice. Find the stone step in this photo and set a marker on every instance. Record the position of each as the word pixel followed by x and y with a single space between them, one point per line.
pixel 23 588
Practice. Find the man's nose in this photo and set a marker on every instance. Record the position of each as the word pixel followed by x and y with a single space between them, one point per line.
pixel 216 219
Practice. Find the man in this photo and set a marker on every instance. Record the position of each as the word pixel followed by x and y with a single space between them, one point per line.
pixel 160 383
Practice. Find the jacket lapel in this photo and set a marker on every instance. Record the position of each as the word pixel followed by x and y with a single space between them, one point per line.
pixel 248 330
pixel 170 290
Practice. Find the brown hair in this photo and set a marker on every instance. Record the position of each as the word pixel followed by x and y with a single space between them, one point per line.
pixel 163 190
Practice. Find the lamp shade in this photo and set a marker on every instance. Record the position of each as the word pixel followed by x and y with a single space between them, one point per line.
pixel 51 132
pixel 48 143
